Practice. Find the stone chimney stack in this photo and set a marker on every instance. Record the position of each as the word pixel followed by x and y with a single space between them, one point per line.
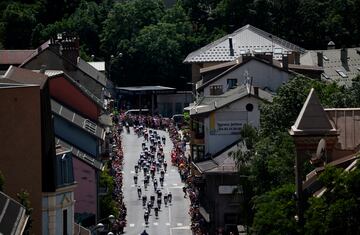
pixel 231 47
pixel 70 48
pixel 285 62
pixel 344 55
pixel 320 60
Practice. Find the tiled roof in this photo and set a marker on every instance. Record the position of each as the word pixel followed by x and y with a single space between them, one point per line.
pixel 333 65
pixel 78 120
pixel 12 216
pixel 212 103
pixel 25 76
pixel 14 57
pixel 81 155
pixel 246 39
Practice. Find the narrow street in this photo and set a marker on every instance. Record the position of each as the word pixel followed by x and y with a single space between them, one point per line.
pixel 173 219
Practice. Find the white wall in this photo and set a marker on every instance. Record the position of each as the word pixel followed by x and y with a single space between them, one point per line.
pixel 234 113
pixel 263 76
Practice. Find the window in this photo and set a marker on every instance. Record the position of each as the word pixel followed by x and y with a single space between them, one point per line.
pixel 216 89
pixel 341 73
pixel 278 51
pixel 249 107
pixel 231 83
pixel 198 128
pixel 65 222
pixel 198 153
pixel 65 174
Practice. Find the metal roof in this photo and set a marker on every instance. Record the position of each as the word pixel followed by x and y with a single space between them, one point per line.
pixel 13 216
pixel 92 72
pixel 81 155
pixel 98 65
pixel 136 89
pixel 223 162
pixel 246 39
pixel 333 65
pixel 77 120
pixel 212 103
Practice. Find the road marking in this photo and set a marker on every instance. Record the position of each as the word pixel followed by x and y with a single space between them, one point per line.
pixel 175 184
pixel 167 224
pixel 156 223
pixel 178 228
pixel 132 172
pixel 179 224
pixel 132 225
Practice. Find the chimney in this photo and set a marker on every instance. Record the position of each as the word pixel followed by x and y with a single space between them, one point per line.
pixel 70 47
pixel 256 90
pixel 285 62
pixel 331 45
pixel 231 46
pixel 43 69
pixel 320 57
pixel 344 55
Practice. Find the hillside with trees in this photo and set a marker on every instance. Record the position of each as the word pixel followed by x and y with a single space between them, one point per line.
pixel 153 40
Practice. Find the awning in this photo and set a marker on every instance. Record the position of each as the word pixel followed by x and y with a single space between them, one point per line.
pixel 204 214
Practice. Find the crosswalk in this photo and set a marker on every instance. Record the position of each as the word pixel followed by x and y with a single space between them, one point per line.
pixel 178 225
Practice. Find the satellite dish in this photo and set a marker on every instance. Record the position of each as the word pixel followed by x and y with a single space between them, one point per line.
pixel 320 154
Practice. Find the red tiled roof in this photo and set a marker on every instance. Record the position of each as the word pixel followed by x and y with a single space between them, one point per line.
pixel 14 57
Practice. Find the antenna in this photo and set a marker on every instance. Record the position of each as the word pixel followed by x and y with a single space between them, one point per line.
pixel 320 155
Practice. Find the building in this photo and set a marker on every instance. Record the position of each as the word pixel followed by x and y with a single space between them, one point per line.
pixel 13 220
pixel 246 40
pixel 13 57
pixel 339 65
pixel 323 137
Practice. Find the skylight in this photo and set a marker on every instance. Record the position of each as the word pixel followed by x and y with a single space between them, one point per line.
pixel 325 58
pixel 342 73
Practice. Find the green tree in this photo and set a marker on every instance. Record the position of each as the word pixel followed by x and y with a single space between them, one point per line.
pixel 14 18
pixel 275 212
pixel 337 211
pixel 24 200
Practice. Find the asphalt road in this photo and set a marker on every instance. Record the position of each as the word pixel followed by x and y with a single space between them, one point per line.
pixel 173 219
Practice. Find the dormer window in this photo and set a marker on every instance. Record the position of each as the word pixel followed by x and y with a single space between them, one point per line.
pixel 231 83
pixel 216 90
pixel 341 73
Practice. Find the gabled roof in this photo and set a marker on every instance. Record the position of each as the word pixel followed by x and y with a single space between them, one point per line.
pixel 312 119
pixel 14 57
pixel 92 72
pixel 246 39
pixel 77 120
pixel 211 103
pixel 333 66
pixel 12 216
pixel 222 162
pixel 25 76
pixel 240 62
pixel 91 161
pixel 81 64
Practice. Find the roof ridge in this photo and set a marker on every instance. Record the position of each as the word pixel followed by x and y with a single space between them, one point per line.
pixel 312 118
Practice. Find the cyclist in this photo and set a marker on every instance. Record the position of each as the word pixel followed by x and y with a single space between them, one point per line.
pixel 135 179
pixel 156 209
pixel 144 198
pixel 162 181
pixel 139 191
pixel 136 168
pixel 165 165
pixel 146 217
pixel 165 199
pixel 169 197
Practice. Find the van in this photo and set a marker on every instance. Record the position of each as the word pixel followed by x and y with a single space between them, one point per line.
pixel 137 112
